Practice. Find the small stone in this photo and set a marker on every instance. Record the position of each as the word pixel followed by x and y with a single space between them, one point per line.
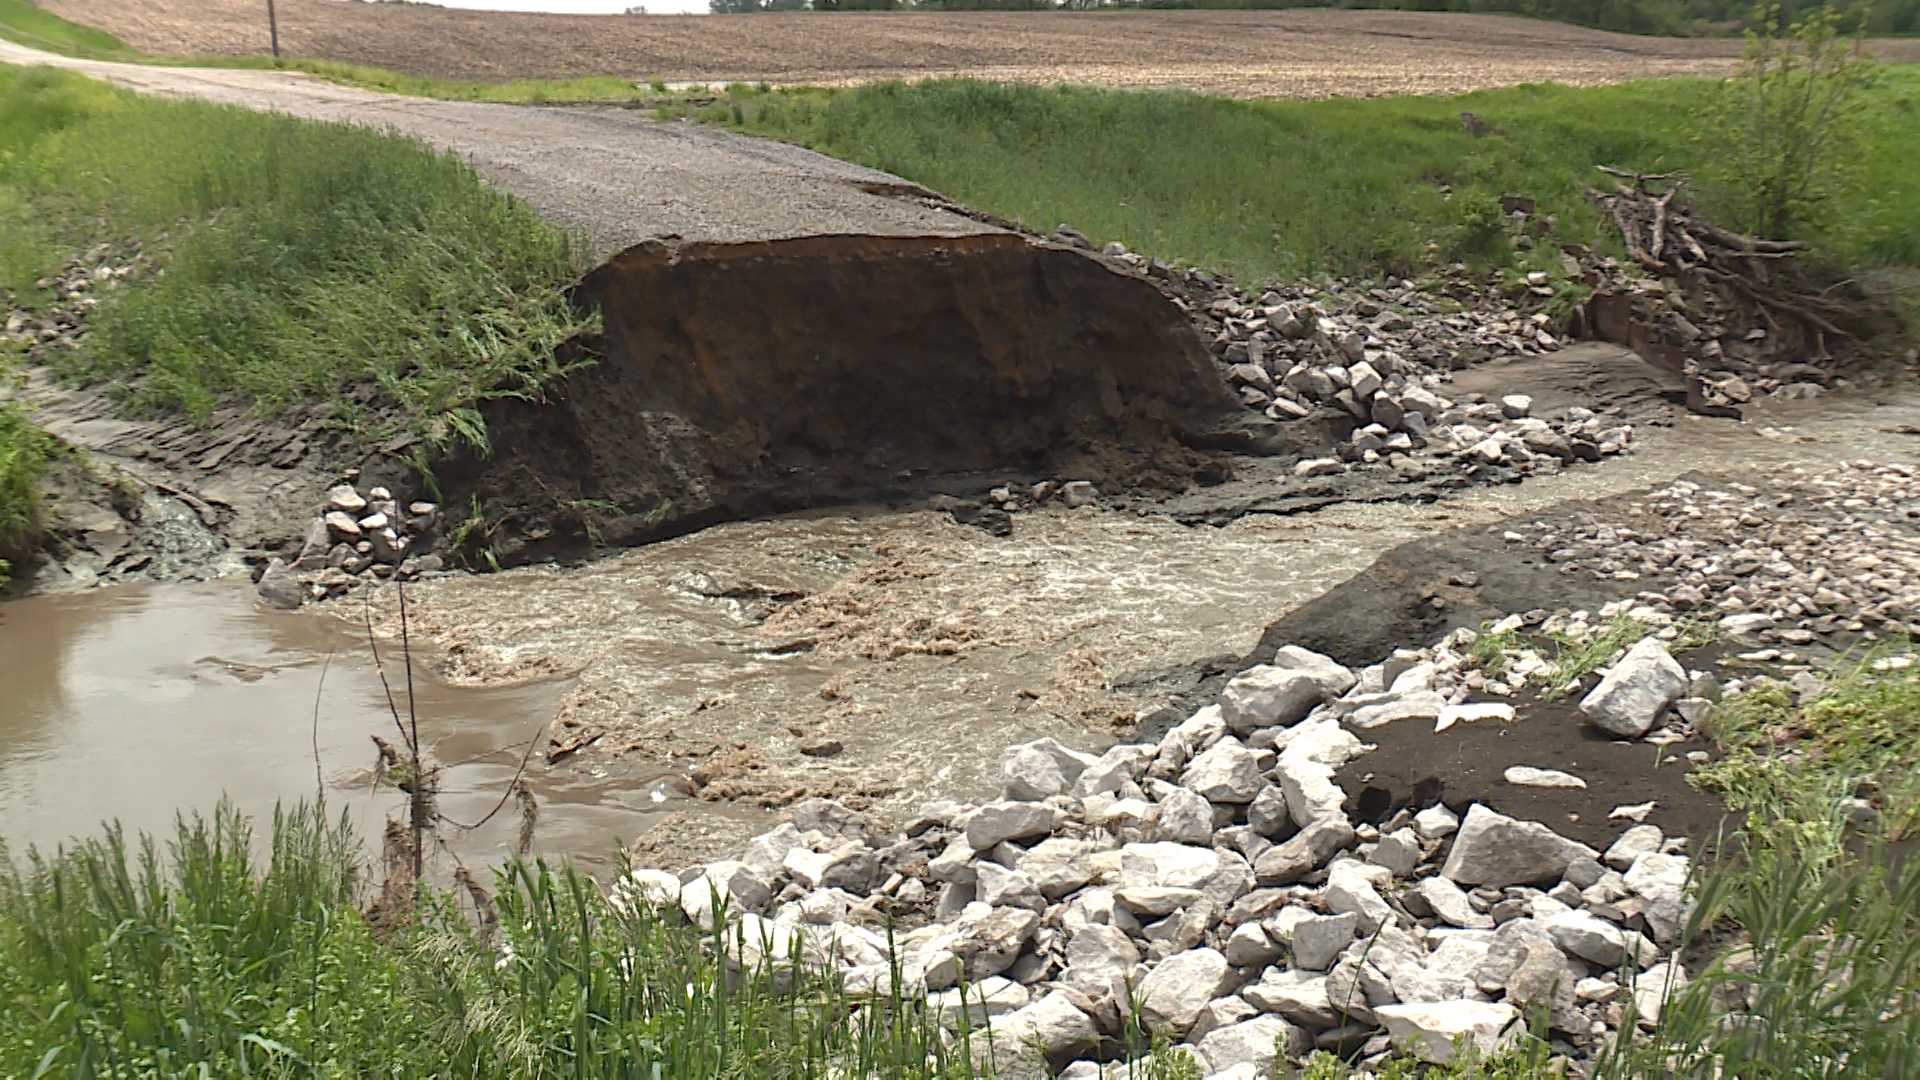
pixel 1313 467
pixel 1185 818
pixel 1451 905
pixel 1516 406
pixel 1430 1031
pixel 997 822
pixel 822 747
pixel 1472 711
pixel 1598 941
pixel 1156 901
pixel 1226 772
pixel 1528 776
pixel 1174 992
pixel 1435 822
pixel 1282 692
pixel 342 525
pixel 1398 851
pixel 1097 956
pixel 280 587
pixel 1352 887
pixel 1250 947
pixel 1001 887
pixel 1633 843
pixel 1305 852
pixel 1653 988
pixel 1079 493
pixel 1022 1042
pixel 345 499
pixel 1253 1047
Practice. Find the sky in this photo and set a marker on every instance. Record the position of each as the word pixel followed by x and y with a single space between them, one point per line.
pixel 582 7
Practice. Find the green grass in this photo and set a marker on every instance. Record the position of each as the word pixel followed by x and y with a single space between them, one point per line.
pixel 124 960
pixel 301 260
pixel 1281 189
pixel 26 24
pixel 586 89
pixel 24 453
pixel 1830 914
pixel 1794 766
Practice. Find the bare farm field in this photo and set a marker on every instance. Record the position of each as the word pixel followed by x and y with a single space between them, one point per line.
pixel 1252 54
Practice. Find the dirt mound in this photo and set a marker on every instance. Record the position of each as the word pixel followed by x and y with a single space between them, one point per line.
pixel 744 379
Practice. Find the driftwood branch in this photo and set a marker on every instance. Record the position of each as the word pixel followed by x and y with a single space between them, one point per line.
pixel 1666 237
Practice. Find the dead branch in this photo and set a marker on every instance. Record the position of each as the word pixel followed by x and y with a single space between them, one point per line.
pixel 1664 236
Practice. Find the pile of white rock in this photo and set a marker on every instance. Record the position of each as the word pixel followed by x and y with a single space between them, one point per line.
pixel 1473 434
pixel 1216 882
pixel 1812 555
pixel 355 539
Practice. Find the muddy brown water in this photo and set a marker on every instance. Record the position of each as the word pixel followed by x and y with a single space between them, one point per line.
pixel 705 664
pixel 132 703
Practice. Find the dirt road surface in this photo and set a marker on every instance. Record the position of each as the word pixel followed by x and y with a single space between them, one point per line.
pixel 613 176
pixel 1249 54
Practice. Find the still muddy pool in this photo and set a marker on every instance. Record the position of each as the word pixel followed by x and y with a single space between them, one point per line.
pixel 131 703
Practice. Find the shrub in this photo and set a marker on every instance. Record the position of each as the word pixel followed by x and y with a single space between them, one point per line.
pixel 1790 119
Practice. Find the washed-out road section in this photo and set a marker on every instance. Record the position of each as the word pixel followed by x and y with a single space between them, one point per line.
pixel 782 330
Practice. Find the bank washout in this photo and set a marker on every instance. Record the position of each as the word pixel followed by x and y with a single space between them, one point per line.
pixel 922 344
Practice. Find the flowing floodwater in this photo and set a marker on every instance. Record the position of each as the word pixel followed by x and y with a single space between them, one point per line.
pixel 878 657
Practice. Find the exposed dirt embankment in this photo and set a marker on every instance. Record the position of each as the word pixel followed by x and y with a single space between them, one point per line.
pixel 741 379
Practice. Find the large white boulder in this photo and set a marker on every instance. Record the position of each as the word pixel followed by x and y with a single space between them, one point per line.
pixel 1283 691
pixel 1429 1030
pixel 1493 849
pixel 1638 689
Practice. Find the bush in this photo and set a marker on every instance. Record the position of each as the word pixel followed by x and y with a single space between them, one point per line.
pixel 1790 120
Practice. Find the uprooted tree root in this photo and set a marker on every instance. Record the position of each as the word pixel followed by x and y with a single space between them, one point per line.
pixel 1750 301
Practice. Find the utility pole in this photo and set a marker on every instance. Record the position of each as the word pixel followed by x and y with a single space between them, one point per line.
pixel 273 30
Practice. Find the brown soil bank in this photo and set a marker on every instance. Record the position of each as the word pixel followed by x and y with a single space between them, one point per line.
pixel 742 379
pixel 1238 53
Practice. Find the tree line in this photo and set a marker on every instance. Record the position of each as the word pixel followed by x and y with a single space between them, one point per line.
pixel 1629 16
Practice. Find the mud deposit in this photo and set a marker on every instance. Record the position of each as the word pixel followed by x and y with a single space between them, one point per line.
pixel 131 703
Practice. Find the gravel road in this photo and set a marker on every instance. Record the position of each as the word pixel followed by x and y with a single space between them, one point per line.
pixel 611 174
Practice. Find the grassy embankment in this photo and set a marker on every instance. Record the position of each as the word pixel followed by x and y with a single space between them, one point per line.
pixel 118 962
pixel 1280 189
pixel 302 261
